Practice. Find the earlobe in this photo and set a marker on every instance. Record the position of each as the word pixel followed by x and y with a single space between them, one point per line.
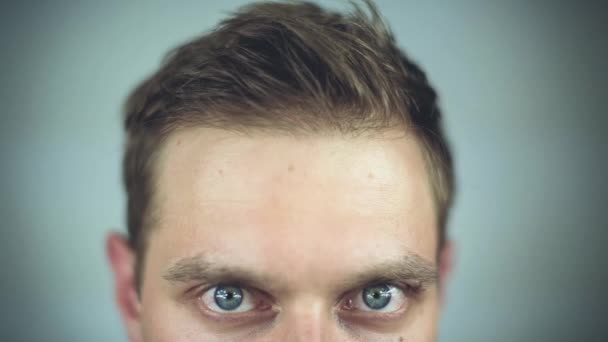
pixel 122 262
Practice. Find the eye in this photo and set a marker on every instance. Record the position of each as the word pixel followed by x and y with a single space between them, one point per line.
pixel 378 298
pixel 224 298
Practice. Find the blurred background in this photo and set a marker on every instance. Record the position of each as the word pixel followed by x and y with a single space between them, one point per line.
pixel 523 88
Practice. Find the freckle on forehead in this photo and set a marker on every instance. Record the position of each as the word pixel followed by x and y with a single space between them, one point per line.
pixel 290 168
pixel 370 175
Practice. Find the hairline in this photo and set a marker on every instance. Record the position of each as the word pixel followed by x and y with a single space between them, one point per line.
pixel 159 107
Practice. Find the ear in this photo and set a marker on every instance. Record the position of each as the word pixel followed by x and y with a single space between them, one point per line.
pixel 446 261
pixel 122 261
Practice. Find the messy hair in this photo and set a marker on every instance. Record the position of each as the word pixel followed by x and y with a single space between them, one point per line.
pixel 283 66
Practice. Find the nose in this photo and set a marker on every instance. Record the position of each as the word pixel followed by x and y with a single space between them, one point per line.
pixel 309 320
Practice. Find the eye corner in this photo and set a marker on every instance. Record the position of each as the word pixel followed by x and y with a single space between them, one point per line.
pixel 346 304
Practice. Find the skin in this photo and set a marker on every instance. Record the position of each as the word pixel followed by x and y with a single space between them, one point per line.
pixel 302 224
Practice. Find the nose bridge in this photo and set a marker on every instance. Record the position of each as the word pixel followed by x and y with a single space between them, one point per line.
pixel 309 320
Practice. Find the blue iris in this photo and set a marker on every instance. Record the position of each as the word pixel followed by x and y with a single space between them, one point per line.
pixel 228 297
pixel 377 297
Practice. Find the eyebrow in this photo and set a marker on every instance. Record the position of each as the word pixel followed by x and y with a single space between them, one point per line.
pixel 199 269
pixel 411 268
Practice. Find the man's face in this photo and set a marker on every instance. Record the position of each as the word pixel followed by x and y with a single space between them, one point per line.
pixel 278 238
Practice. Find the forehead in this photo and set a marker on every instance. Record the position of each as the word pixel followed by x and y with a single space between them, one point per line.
pixel 265 198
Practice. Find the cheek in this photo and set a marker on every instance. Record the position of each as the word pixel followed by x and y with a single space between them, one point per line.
pixel 160 325
pixel 425 320
pixel 420 324
pixel 169 323
pixel 161 322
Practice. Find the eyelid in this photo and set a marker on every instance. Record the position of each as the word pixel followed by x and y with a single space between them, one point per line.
pixel 198 290
pixel 412 288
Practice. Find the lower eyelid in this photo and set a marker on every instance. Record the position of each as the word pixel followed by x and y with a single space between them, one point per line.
pixel 374 322
pixel 247 317
pixel 375 317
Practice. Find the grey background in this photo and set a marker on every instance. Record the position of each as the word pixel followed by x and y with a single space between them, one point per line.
pixel 522 87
